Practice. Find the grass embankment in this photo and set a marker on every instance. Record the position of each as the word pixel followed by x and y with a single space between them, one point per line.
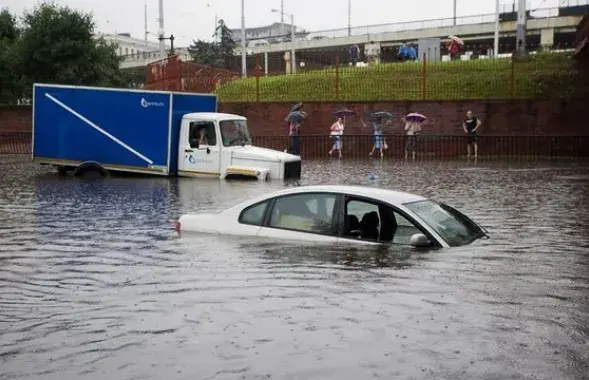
pixel 543 75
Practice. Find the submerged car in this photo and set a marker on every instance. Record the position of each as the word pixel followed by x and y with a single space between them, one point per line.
pixel 342 214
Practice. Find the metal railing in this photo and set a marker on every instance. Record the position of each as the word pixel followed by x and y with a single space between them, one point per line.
pixel 428 146
pixel 416 25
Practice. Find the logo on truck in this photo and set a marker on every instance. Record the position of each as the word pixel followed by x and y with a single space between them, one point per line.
pixel 146 104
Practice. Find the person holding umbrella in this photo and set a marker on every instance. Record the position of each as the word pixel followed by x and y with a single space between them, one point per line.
pixel 377 126
pixel 413 123
pixel 294 120
pixel 337 129
pixel 454 45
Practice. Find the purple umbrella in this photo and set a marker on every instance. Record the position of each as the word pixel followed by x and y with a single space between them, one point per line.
pixel 344 113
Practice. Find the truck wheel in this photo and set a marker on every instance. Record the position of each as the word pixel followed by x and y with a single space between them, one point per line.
pixel 267 177
pixel 91 170
pixel 62 170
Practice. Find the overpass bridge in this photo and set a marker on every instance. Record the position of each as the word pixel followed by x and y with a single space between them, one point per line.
pixel 547 26
pixel 469 28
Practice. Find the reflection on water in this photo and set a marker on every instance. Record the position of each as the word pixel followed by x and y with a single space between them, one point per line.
pixel 94 283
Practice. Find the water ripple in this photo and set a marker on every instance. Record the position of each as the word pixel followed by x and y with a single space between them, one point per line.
pixel 94 283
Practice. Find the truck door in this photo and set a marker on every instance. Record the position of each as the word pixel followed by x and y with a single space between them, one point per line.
pixel 200 150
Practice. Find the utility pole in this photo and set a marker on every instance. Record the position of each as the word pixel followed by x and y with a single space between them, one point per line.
pixel 283 30
pixel 243 46
pixel 349 18
pixel 520 32
pixel 496 42
pixel 161 30
pixel 145 26
pixel 454 12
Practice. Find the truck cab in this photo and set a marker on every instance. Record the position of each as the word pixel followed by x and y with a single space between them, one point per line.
pixel 220 145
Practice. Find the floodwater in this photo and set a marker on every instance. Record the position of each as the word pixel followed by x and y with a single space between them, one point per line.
pixel 95 284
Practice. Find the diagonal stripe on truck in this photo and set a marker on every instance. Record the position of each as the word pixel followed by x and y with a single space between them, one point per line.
pixel 93 125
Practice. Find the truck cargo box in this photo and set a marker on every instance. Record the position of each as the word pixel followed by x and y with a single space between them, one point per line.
pixel 120 129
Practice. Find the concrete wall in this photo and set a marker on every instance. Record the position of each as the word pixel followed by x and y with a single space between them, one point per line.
pixel 508 117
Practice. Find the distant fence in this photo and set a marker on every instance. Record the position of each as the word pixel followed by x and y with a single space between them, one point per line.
pixel 542 76
pixel 428 146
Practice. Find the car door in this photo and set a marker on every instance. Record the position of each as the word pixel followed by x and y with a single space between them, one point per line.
pixel 304 217
pixel 371 221
pixel 201 159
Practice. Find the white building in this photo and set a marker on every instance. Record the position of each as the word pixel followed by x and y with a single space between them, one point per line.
pixel 134 48
pixel 275 32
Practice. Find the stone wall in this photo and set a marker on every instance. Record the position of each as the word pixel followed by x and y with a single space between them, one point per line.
pixel 510 117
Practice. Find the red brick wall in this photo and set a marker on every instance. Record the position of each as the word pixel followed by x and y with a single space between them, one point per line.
pixel 15 119
pixel 525 117
pixel 511 117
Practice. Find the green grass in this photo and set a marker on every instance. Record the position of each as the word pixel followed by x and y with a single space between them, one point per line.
pixel 544 75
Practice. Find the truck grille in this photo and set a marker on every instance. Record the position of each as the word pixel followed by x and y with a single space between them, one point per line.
pixel 292 169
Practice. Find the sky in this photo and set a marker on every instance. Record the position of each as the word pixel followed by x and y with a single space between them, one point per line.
pixel 194 19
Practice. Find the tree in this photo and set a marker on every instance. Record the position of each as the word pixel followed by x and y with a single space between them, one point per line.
pixel 58 45
pixel 213 53
pixel 205 53
pixel 227 44
pixel 10 83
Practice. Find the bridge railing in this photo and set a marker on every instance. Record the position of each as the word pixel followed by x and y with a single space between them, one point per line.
pixel 418 25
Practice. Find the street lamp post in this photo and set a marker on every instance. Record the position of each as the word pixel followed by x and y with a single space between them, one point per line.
pixel 243 51
pixel 171 38
pixel 293 61
pixel 496 50
pixel 161 29
pixel 216 22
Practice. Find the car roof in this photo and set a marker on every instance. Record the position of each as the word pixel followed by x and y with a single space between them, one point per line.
pixel 390 196
pixel 215 116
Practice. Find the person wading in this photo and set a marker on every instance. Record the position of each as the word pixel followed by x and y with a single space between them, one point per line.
pixel 470 125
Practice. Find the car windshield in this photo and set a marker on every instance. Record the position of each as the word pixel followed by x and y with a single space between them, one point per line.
pixel 235 132
pixel 453 226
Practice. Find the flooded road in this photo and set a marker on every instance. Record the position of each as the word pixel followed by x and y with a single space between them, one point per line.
pixel 95 284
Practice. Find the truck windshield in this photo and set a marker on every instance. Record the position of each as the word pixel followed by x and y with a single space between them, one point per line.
pixel 235 132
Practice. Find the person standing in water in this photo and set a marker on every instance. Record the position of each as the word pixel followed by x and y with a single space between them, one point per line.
pixel 336 132
pixel 379 142
pixel 470 126
pixel 412 129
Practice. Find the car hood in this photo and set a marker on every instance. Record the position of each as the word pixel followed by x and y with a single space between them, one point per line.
pixel 249 152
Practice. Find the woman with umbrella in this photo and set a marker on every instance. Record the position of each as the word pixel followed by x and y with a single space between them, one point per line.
pixel 379 143
pixel 454 44
pixel 337 129
pixel 294 120
pixel 413 123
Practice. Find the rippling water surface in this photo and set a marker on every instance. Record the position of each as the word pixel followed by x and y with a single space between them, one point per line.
pixel 95 284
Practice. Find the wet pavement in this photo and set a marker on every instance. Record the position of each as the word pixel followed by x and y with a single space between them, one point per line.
pixel 95 284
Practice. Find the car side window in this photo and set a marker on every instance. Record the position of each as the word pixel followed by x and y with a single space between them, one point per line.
pixel 253 215
pixel 375 221
pixel 194 135
pixel 304 212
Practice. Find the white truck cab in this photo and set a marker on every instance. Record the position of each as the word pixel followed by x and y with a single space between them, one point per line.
pixel 220 145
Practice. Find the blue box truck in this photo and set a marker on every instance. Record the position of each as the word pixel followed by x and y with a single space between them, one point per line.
pixel 86 130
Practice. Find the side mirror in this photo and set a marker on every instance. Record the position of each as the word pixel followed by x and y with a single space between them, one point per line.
pixel 420 240
pixel 193 143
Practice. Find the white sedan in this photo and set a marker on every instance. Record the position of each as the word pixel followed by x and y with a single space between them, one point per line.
pixel 342 214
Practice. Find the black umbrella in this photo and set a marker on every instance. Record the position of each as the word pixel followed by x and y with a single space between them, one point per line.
pixel 296 107
pixel 296 116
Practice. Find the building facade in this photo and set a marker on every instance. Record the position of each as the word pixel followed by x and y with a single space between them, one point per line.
pixel 276 32
pixel 134 48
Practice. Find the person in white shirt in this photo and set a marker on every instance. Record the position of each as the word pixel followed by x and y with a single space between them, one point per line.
pixel 412 129
pixel 336 132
